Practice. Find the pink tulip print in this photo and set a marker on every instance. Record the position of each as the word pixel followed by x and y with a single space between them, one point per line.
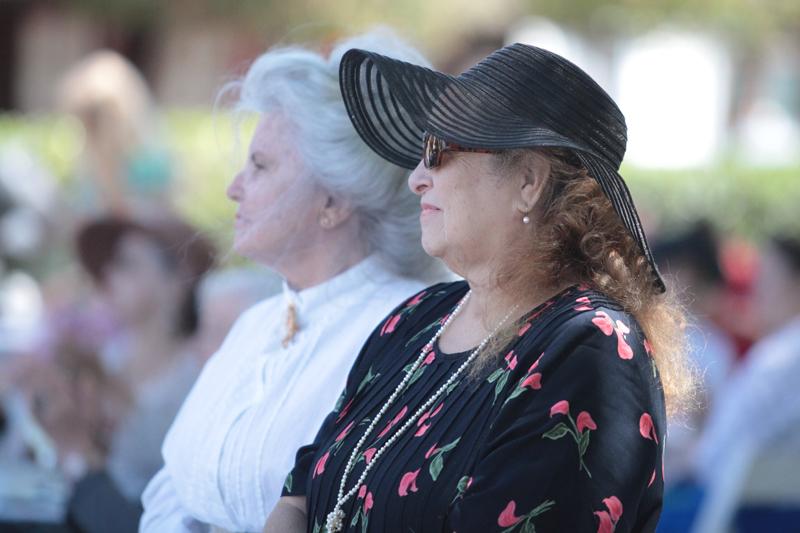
pixel 580 430
pixel 368 501
pixel 416 300
pixel 585 421
pixel 584 304
pixel 605 323
pixel 529 323
pixel 408 483
pixel 344 411
pixel 399 416
pixel 430 451
pixel 509 520
pixel 646 427
pixel 511 360
pixel 363 513
pixel 390 324
pixel 507 517
pixel 369 454
pixel 530 381
pixel 608 519
pixel 319 469
pixel 560 408
pixel 345 431
pixel 500 376
pixel 422 424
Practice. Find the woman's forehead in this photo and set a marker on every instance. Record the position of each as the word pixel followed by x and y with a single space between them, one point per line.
pixel 273 133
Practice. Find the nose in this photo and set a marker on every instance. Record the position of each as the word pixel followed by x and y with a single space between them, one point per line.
pixel 234 190
pixel 419 181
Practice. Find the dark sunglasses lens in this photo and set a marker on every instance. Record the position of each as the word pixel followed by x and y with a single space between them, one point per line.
pixel 432 152
pixel 427 150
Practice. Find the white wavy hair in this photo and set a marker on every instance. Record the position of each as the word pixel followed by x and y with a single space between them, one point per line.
pixel 304 85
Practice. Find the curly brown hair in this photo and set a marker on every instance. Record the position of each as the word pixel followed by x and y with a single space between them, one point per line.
pixel 579 239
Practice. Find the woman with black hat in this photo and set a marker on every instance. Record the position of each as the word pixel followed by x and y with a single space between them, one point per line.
pixel 532 395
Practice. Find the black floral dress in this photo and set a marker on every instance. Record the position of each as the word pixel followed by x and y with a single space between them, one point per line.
pixel 563 433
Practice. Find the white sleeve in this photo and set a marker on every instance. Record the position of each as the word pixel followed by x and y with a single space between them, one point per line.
pixel 163 512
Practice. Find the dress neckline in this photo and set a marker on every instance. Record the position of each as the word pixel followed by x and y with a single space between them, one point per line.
pixel 534 314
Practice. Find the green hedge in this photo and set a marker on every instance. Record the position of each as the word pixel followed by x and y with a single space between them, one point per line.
pixel 748 201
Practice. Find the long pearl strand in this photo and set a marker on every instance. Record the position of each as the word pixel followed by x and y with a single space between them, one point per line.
pixel 335 519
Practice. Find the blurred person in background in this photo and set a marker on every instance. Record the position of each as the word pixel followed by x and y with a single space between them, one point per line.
pixel 61 407
pixel 758 411
pixel 147 271
pixel 338 223
pixel 124 168
pixel 691 259
pixel 223 296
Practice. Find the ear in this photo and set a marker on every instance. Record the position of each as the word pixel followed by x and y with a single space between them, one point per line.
pixel 537 172
pixel 335 212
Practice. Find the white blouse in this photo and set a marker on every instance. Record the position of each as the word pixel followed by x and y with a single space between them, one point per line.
pixel 255 403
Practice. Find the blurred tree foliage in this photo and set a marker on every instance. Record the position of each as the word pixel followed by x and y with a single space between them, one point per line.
pixel 748 201
pixel 747 20
pixel 742 19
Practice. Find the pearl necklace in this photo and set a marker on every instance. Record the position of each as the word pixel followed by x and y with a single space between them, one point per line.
pixel 335 519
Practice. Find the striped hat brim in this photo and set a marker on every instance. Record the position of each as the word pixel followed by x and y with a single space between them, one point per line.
pixel 392 104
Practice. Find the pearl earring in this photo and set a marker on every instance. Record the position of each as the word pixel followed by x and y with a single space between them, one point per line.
pixel 526 219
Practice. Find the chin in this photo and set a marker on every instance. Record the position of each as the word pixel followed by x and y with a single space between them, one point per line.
pixel 432 248
pixel 243 248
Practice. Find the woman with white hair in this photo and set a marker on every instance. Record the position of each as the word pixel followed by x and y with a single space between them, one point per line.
pixel 337 222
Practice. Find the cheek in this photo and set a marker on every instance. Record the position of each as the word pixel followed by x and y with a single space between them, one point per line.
pixel 264 204
pixel 288 225
pixel 475 222
pixel 126 291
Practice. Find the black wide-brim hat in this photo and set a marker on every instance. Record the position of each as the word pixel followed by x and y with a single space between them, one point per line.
pixel 520 96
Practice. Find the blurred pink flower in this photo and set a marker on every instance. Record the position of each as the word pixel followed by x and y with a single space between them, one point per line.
pixel 585 421
pixel 534 381
pixel 345 431
pixel 507 517
pixel 369 454
pixel 320 468
pixel 408 483
pixel 511 360
pixel 646 427
pixel 390 324
pixel 561 407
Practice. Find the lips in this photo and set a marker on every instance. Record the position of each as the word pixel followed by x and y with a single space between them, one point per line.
pixel 429 208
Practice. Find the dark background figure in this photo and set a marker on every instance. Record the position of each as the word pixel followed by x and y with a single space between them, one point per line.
pixel 147 272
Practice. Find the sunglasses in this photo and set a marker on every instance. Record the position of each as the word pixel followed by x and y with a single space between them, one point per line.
pixel 433 148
